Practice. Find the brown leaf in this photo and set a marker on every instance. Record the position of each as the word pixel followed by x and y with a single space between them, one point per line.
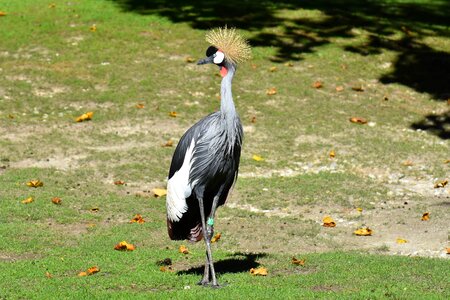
pixel 189 59
pixel 317 84
pixel 28 200
pixel 448 250
pixel 85 117
pixel 157 192
pixel 164 262
pixel 48 275
pixel 339 88
pixel 183 249
pixel 216 238
pixel 272 91
pixel 289 64
pixel 446 161
pixel 137 219
pixel 166 269
pixel 261 271
pixel 52 5
pixel 407 163
pixel 94 209
pixel 56 200
pixel 119 182
pixel 273 69
pixel 426 216
pixel 363 231
pixel 253 119
pixel 93 270
pixel 124 246
pixel 140 105
pixel 440 184
pixel 35 183
pixel 298 262
pixel 358 120
pixel 2 14
pixel 173 114
pixel 169 143
pixel 328 222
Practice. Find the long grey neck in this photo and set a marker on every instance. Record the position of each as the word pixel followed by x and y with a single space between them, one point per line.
pixel 226 98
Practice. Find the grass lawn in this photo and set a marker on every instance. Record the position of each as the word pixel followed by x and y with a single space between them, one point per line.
pixel 132 62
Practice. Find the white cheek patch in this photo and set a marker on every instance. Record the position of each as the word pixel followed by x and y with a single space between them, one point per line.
pixel 219 57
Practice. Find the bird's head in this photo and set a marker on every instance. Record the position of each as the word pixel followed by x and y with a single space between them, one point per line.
pixel 227 50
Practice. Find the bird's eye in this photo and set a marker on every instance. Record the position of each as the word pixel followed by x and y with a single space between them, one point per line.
pixel 218 57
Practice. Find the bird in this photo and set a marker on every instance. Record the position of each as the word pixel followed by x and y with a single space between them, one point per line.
pixel 205 163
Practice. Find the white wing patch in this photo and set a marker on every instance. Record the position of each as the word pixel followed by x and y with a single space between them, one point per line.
pixel 178 187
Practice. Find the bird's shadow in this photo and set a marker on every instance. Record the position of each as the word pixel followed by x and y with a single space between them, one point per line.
pixel 238 262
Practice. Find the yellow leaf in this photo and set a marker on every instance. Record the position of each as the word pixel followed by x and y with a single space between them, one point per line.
pixel 2 14
pixel 166 269
pixel 426 216
pixel 317 84
pixel 298 262
pixel 28 200
pixel 169 143
pixel 440 184
pixel 328 222
pixel 446 161
pixel 183 249
pixel 93 28
pixel 35 183
pixel 173 114
pixel 189 59
pixel 216 237
pixel 137 219
pixel 364 231
pixel 407 163
pixel 52 5
pixel 289 64
pixel 261 271
pixel 56 200
pixel 159 192
pixel 273 69
pixel 140 105
pixel 82 274
pixel 85 117
pixel 122 246
pixel 332 154
pixel 448 250
pixel 95 209
pixel 272 91
pixel 93 270
pixel 48 275
pixel 401 241
pixel 359 209
pixel 358 88
pixel 257 158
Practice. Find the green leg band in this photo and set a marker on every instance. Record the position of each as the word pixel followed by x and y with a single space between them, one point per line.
pixel 210 222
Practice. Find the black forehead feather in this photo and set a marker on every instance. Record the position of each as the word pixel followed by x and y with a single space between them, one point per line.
pixel 210 51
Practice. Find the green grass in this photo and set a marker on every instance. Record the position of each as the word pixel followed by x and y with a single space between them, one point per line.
pixel 54 68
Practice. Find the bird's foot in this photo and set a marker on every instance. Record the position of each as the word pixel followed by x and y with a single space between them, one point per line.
pixel 203 282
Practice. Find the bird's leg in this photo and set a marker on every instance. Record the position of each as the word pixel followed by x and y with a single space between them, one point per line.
pixel 209 259
pixel 210 221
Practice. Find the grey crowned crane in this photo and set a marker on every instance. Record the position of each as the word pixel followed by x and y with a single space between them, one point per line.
pixel 205 163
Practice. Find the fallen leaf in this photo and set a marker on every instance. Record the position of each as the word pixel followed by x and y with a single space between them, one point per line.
pixel 94 209
pixel 446 161
pixel 35 183
pixel 157 192
pixel 183 249
pixel 52 5
pixel 56 200
pixel 164 262
pixel 216 238
pixel 261 271
pixel 11 116
pixel 298 262
pixel 173 114
pixel 273 69
pixel 93 270
pixel 448 250
pixel 253 119
pixel 28 200
pixel 358 88
pixel 339 88
pixel 48 275
pixel 166 269
pixel 359 209
pixel 272 91
pixel 140 105
pixel 169 143
pixel 289 64
pixel 257 158
pixel 137 219
pixel 317 84
pixel 332 154
pixel 426 216
pixel 119 182
pixel 440 184
pixel 328 222
pixel 364 231
pixel 2 14
pixel 407 163
pixel 83 273
pixel 401 241
pixel 358 120
pixel 93 28
pixel 189 59
pixel 122 246
pixel 85 117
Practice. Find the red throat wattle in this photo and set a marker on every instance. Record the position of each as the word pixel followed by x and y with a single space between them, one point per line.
pixel 223 71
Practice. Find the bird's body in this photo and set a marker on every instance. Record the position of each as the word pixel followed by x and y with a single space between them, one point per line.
pixel 206 161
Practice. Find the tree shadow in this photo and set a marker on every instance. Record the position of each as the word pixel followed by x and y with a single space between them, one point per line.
pixel 436 124
pixel 238 263
pixel 400 27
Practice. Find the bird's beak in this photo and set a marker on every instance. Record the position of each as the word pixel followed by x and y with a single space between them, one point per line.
pixel 206 60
